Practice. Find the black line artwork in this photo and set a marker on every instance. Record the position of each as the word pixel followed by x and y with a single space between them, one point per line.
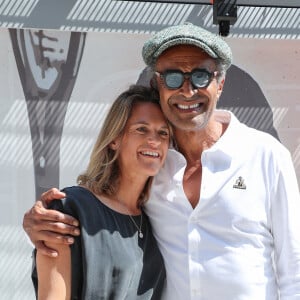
pixel 48 64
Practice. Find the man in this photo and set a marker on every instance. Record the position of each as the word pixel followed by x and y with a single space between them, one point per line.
pixel 224 207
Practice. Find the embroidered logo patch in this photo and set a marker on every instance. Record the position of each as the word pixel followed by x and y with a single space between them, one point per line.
pixel 240 183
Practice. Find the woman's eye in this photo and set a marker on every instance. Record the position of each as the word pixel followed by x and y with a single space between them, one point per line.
pixel 164 133
pixel 141 129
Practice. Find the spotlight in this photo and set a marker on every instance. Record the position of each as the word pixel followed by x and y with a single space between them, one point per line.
pixel 224 15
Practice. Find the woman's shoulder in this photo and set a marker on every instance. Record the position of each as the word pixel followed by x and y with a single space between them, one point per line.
pixel 76 190
pixel 77 198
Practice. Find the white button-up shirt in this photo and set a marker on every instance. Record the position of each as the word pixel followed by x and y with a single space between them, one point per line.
pixel 242 240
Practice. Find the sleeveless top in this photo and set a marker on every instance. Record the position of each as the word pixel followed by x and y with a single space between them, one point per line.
pixel 109 260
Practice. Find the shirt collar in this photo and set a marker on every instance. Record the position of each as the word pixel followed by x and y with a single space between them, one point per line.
pixel 225 143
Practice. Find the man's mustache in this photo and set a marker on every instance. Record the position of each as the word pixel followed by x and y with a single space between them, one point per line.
pixel 196 97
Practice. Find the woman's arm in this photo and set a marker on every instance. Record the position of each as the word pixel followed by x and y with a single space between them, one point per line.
pixel 54 274
pixel 47 225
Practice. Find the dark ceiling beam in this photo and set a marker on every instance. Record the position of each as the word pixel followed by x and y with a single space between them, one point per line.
pixel 253 3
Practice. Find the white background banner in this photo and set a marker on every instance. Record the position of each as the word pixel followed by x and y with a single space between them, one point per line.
pixel 55 89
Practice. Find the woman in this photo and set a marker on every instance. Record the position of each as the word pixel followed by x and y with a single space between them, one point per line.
pixel 116 256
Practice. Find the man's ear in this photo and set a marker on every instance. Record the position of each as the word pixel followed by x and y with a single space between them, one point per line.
pixel 153 83
pixel 220 88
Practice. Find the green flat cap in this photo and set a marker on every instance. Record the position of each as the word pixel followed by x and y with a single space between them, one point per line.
pixel 186 34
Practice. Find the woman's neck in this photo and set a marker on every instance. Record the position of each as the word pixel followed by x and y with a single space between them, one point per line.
pixel 126 199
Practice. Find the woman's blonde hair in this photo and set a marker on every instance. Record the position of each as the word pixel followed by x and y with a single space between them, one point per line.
pixel 102 174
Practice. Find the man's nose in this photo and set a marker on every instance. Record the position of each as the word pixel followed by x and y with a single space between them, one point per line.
pixel 187 88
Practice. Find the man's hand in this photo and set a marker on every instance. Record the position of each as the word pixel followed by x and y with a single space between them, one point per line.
pixel 46 225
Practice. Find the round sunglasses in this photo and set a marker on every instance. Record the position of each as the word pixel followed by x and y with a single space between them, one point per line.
pixel 174 79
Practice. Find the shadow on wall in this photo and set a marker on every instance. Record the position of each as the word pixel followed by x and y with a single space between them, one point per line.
pixel 241 95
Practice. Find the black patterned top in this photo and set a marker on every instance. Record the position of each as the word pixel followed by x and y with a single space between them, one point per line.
pixel 109 259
